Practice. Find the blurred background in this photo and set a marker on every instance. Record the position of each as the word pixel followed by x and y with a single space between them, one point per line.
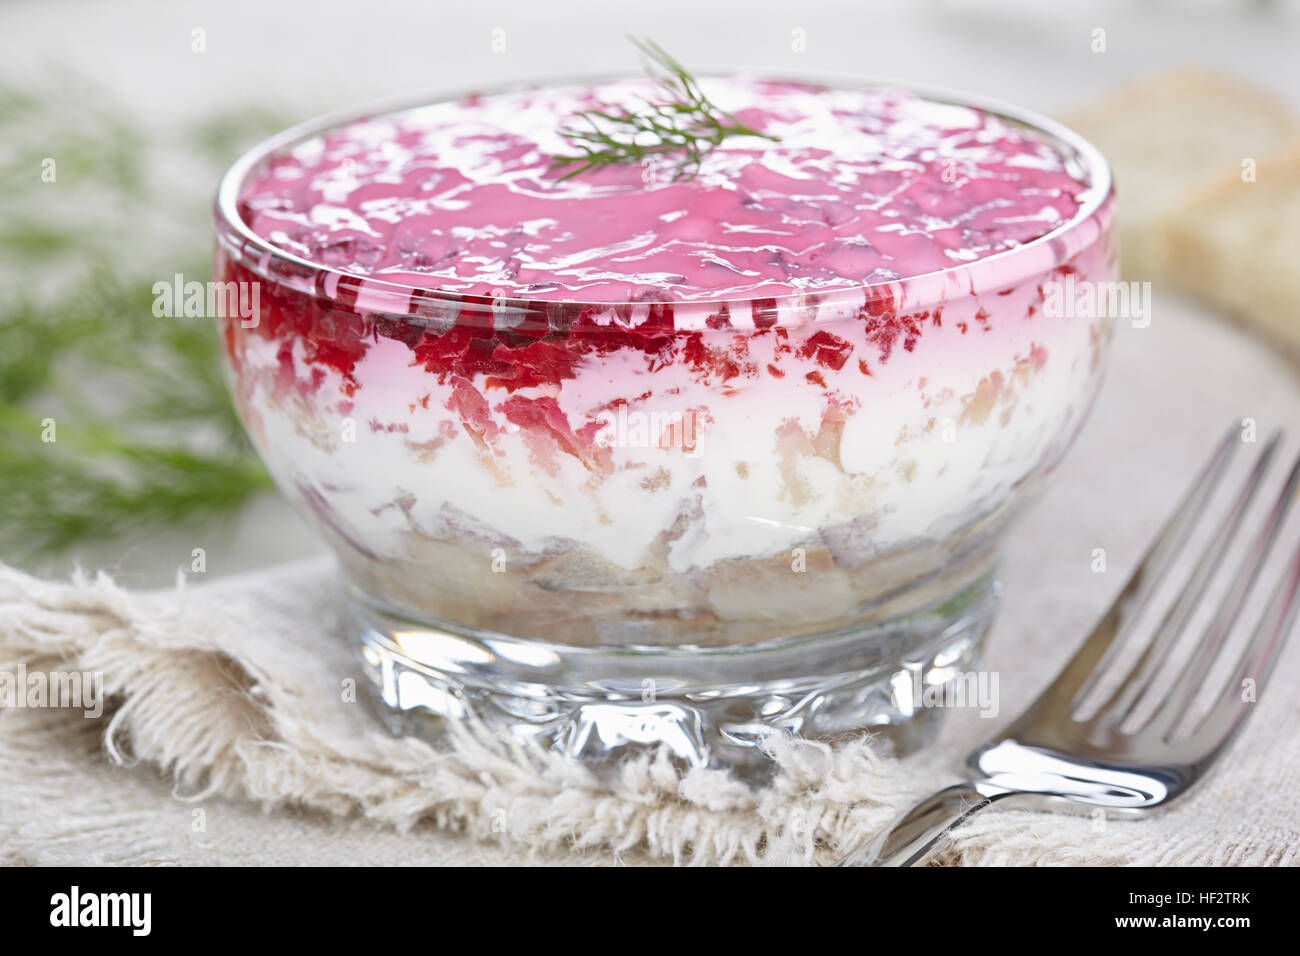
pixel 140 105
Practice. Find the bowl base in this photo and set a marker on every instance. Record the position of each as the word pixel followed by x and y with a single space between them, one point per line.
pixel 706 706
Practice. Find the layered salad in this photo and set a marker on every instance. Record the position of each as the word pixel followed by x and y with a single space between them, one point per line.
pixel 797 389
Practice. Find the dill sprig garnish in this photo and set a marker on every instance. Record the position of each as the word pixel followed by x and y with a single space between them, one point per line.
pixel 146 435
pixel 681 119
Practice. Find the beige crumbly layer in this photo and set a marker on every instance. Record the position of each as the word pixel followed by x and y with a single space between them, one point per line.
pixel 575 597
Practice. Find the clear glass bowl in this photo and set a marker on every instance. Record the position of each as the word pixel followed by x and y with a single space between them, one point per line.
pixel 732 518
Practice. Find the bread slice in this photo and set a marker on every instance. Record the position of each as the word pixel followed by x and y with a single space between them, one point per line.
pixel 1237 245
pixel 1169 135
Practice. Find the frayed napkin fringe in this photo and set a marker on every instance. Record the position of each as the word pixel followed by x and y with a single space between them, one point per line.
pixel 230 713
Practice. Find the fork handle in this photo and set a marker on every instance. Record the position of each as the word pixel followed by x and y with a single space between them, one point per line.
pixel 912 838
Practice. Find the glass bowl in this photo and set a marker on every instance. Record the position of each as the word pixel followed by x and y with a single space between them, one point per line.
pixel 728 519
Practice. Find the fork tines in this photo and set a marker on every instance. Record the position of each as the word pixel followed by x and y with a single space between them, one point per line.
pixel 1120 711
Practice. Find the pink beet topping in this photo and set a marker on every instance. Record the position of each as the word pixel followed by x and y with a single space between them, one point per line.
pixel 862 186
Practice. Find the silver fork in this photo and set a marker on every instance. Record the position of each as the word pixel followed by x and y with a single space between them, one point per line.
pixel 1050 760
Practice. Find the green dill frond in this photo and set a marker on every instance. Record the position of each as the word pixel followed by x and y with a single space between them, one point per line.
pixel 145 432
pixel 680 121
